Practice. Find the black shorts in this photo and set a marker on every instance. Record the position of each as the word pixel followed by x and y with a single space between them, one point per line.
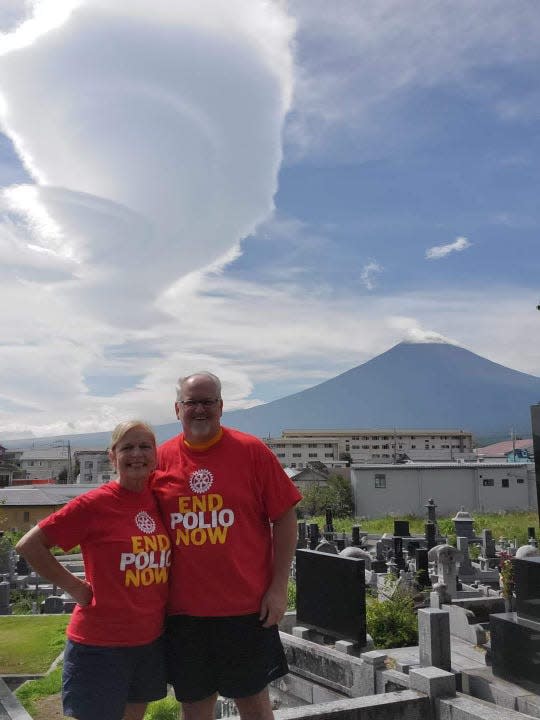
pixel 98 682
pixel 234 656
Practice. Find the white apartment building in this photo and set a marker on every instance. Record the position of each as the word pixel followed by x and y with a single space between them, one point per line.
pixel 40 464
pixel 405 489
pixel 94 466
pixel 295 448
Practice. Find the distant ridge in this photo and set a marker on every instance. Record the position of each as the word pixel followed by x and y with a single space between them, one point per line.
pixel 412 385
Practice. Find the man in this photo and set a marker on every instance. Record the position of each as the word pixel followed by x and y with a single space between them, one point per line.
pixel 229 507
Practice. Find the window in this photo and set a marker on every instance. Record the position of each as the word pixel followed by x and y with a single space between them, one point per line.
pixel 376 455
pixel 280 455
pixel 505 482
pixel 488 482
pixel 329 455
pixel 413 447
pixel 355 437
pixel 88 477
pixel 297 454
pixel 385 447
pixel 106 478
pixel 26 516
pixel 375 437
pixel 365 447
pixel 375 447
pixel 88 464
pixel 356 447
pixel 380 481
pixel 520 481
pixel 312 445
pixel 296 445
pixel 312 455
pixel 293 464
pixel 328 445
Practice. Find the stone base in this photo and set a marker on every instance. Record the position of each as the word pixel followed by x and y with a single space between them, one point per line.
pixel 515 650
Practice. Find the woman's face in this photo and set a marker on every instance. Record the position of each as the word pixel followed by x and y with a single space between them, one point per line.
pixel 134 457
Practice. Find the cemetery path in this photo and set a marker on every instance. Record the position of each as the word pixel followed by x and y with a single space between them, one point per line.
pixel 49 708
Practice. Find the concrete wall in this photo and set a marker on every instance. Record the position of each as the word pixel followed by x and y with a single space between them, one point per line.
pixel 408 488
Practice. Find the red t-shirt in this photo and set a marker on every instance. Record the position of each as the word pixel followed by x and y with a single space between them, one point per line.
pixel 126 553
pixel 218 504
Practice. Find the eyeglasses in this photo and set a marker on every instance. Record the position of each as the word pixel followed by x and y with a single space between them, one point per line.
pixel 193 403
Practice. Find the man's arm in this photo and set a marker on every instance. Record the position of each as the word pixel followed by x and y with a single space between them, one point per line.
pixel 274 602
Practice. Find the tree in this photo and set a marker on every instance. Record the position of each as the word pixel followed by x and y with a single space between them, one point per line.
pixel 336 494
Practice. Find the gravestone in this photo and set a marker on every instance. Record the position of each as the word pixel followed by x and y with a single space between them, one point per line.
pixel 430 534
pixel 531 533
pixel 23 568
pixel 53 605
pixel 422 567
pixel 330 595
pixel 466 569
pixel 401 528
pixel 431 511
pixel 301 541
pixel 329 526
pixel 515 636
pixel 5 607
pixel 463 524
pixel 398 553
pixel 355 540
pixel 313 536
pixel 488 544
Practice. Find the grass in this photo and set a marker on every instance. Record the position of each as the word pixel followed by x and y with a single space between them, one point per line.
pixel 29 644
pixel 507 524
pixel 29 693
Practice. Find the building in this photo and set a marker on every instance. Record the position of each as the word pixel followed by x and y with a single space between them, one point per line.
pixel 94 466
pixel 23 507
pixel 507 451
pixel 479 487
pixel 42 463
pixel 295 448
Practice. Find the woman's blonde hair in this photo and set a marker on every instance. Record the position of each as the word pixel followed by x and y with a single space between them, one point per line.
pixel 122 428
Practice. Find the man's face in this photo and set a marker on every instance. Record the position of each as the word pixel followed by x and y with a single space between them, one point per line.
pixel 199 409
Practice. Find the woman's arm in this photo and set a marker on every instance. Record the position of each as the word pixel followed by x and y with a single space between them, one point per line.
pixel 35 548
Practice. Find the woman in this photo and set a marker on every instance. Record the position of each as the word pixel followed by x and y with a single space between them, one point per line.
pixel 113 662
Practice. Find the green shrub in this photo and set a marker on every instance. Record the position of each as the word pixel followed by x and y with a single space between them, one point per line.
pixel 166 709
pixel 291 594
pixel 392 622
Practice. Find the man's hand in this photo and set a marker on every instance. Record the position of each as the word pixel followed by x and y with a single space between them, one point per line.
pixel 273 606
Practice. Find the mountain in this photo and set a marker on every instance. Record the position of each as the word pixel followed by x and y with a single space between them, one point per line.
pixel 412 385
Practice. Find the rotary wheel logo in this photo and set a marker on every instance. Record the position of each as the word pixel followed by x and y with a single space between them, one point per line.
pixel 144 522
pixel 201 480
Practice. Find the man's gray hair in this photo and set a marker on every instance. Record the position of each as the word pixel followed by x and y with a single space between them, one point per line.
pixel 211 376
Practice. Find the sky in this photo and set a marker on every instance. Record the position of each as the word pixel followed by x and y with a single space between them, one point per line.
pixel 273 191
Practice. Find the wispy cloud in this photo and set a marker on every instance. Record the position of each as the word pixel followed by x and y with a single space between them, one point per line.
pixel 440 251
pixel 362 99
pixel 369 273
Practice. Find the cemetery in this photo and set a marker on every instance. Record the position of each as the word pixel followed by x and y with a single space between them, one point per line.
pixel 478 651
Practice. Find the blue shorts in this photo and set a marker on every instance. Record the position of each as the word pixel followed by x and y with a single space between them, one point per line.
pixel 235 656
pixel 99 681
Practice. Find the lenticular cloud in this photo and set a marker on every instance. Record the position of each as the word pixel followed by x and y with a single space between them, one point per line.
pixel 152 134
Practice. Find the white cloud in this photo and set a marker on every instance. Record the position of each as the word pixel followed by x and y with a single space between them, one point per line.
pixel 369 271
pixel 360 62
pixel 440 251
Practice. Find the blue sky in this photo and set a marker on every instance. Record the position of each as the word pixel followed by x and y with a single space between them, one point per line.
pixel 275 191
